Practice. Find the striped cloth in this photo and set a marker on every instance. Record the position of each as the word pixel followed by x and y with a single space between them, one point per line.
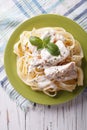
pixel 13 12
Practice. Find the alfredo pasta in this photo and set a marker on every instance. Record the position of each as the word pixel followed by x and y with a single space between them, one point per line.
pixel 49 60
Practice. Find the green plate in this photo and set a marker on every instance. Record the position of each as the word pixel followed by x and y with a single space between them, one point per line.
pixel 47 20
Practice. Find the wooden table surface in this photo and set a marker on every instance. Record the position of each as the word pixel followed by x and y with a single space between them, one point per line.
pixel 68 116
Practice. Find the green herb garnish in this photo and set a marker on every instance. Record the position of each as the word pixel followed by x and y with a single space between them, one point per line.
pixel 46 40
pixel 36 41
pixel 45 43
pixel 53 49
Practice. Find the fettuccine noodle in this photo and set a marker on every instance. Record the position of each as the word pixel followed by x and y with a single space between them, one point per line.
pixel 45 72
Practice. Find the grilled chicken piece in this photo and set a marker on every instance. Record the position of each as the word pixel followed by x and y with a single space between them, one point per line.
pixel 62 73
pixel 54 60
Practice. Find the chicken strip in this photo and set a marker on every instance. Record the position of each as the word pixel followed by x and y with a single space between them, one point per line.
pixel 62 73
pixel 54 60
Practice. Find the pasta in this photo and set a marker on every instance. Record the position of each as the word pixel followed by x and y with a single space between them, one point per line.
pixel 41 70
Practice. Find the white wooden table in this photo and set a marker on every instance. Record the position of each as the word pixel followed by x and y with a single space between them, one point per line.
pixel 68 116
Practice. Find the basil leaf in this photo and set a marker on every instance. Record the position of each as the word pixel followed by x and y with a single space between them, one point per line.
pixel 46 40
pixel 45 43
pixel 36 41
pixel 53 49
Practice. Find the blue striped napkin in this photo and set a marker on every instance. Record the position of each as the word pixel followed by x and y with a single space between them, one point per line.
pixel 17 11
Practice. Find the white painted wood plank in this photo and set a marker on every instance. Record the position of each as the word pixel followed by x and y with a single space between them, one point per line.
pixel 68 110
pixel 13 118
pixel 9 113
pixel 82 112
pixel 21 118
pixel 35 118
pixel 50 114
pixel 84 115
pixel 3 120
pixel 3 112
